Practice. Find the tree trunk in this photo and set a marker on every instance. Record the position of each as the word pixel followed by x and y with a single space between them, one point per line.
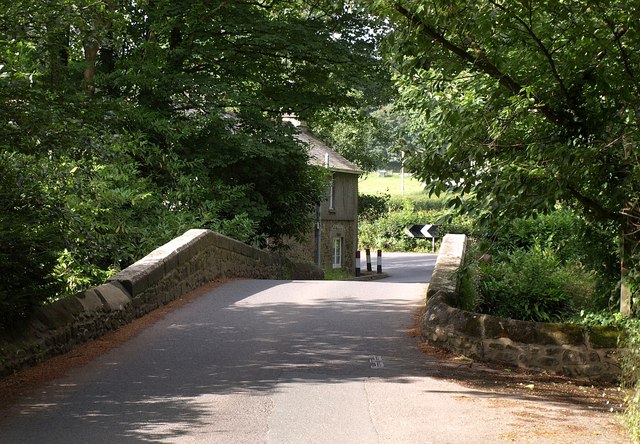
pixel 58 51
pixel 625 291
pixel 90 58
pixel 629 262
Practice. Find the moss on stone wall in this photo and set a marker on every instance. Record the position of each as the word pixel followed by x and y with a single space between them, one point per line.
pixel 567 349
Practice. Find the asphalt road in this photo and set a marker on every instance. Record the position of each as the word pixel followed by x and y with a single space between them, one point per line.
pixel 288 362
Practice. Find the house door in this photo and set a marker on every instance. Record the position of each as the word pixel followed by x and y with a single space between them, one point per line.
pixel 337 251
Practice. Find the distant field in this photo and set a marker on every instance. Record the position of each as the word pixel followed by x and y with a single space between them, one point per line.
pixel 375 184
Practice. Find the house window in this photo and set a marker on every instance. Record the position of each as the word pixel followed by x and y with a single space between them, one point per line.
pixel 332 193
pixel 337 252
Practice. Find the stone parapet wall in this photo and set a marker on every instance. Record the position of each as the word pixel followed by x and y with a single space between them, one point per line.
pixel 191 260
pixel 172 270
pixel 566 349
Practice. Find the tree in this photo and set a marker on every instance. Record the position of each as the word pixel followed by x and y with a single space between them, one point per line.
pixel 357 134
pixel 522 105
pixel 215 78
pixel 372 137
pixel 139 120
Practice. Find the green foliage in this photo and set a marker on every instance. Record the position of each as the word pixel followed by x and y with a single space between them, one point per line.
pixel 372 137
pixel 561 230
pixel 357 136
pixel 561 259
pixel 388 232
pixel 604 318
pixel 336 274
pixel 126 123
pixel 32 215
pixel 470 297
pixel 372 207
pixel 571 237
pixel 631 380
pixel 521 105
pixel 68 224
pixel 541 129
pixel 419 202
pixel 117 215
pixel 534 285
pixel 469 277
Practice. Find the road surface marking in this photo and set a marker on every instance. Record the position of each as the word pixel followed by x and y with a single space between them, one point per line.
pixel 376 362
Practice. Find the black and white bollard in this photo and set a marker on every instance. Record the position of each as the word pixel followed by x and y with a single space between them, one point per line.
pixel 357 262
pixel 379 268
pixel 368 251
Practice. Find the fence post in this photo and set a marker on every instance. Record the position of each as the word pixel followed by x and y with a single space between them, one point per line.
pixel 357 262
pixel 368 259
pixel 379 268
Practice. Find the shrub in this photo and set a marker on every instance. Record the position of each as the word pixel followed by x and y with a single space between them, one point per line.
pixel 68 223
pixel 631 380
pixel 371 207
pixel 117 215
pixel 534 285
pixel 457 224
pixel 561 230
pixel 31 227
pixel 387 231
pixel 571 238
pixel 420 202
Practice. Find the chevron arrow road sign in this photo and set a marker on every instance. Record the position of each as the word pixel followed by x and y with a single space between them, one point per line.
pixel 422 231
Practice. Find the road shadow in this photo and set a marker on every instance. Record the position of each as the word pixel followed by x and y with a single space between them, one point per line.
pixel 232 341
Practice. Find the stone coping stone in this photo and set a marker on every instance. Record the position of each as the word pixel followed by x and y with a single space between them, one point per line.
pixel 90 300
pixel 58 314
pixel 153 267
pixel 114 296
pixel 149 270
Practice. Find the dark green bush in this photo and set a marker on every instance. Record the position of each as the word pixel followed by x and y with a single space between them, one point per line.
pixel 372 207
pixel 67 224
pixel 561 230
pixel 387 231
pixel 32 216
pixel 422 202
pixel 533 285
pixel 571 238
pixel 117 215
pixel 631 379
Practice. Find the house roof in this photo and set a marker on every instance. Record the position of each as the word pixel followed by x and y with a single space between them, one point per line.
pixel 321 154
